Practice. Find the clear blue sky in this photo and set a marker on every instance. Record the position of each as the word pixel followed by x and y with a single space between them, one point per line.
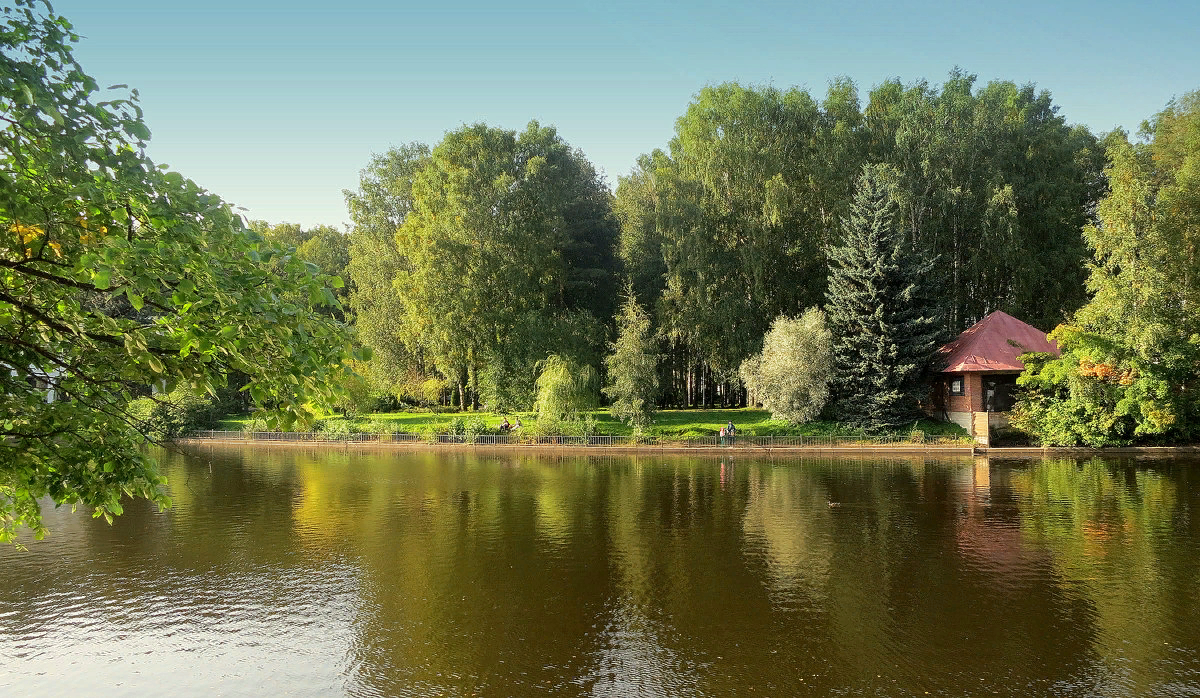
pixel 277 105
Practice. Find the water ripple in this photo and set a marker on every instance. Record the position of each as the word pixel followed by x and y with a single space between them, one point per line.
pixel 318 573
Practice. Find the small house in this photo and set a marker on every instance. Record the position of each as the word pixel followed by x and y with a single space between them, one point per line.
pixel 43 381
pixel 976 388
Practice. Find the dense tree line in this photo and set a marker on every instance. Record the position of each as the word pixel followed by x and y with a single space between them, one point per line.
pixel 730 227
pixel 472 262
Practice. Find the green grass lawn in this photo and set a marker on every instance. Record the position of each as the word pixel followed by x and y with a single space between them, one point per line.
pixel 672 423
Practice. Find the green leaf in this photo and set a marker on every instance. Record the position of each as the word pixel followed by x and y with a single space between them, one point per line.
pixel 134 299
pixel 155 364
pixel 53 112
pixel 101 278
pixel 138 130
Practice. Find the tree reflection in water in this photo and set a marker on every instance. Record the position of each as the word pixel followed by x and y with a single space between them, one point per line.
pixel 511 573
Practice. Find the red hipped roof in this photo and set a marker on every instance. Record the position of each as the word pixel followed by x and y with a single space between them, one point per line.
pixel 993 344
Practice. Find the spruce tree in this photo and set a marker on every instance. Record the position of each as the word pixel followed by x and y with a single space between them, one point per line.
pixel 633 365
pixel 882 317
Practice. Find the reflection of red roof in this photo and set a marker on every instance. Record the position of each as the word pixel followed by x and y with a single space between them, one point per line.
pixel 993 344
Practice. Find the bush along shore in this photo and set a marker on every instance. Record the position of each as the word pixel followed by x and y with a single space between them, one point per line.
pixel 681 427
pixel 916 439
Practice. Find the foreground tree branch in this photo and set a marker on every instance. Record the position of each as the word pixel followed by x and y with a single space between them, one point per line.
pixel 155 282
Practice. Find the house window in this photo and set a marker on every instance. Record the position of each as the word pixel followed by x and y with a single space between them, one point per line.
pixel 957 386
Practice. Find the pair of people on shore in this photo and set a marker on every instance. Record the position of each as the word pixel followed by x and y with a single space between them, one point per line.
pixel 728 434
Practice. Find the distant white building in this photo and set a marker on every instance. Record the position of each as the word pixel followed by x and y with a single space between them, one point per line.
pixel 43 380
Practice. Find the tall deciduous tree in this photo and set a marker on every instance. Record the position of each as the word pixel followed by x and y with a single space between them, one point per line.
pixel 883 321
pixel 322 245
pixel 507 257
pixel 997 185
pixel 378 208
pixel 1131 357
pixel 743 231
pixel 638 205
pixel 116 273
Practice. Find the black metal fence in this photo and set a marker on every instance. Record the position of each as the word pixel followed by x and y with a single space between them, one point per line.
pixel 746 442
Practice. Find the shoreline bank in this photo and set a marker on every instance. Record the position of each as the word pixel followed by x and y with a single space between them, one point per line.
pixel 737 448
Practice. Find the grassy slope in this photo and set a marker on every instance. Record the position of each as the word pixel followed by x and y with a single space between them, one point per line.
pixel 679 423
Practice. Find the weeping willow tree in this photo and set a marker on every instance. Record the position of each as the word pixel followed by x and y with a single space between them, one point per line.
pixel 564 388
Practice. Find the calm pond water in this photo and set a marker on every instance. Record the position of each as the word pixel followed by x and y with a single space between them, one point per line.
pixel 282 571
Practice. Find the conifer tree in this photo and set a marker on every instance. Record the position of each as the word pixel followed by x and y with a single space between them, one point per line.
pixel 882 318
pixel 633 365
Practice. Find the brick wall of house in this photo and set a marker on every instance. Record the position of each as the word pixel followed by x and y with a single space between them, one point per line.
pixel 973 400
